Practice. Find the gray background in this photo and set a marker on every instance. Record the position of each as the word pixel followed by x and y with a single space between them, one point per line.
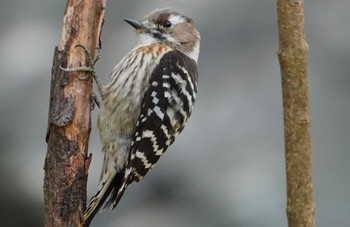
pixel 227 167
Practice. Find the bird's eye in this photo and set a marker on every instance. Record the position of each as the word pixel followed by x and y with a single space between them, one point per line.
pixel 167 24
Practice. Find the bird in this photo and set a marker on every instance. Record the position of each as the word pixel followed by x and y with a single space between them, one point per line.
pixel 146 103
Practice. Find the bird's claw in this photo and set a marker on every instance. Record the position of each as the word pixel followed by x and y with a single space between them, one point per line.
pixel 92 60
pixel 90 69
pixel 96 100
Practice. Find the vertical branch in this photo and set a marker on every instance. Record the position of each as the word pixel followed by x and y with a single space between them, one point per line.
pixel 293 61
pixel 66 162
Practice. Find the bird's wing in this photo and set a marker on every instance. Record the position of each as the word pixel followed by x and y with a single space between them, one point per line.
pixel 166 106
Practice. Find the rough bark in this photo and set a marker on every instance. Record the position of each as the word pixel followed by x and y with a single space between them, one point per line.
pixel 293 61
pixel 69 125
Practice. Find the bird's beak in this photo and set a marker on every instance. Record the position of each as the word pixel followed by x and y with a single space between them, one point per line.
pixel 139 27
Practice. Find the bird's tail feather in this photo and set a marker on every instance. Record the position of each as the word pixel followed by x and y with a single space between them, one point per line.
pixel 112 183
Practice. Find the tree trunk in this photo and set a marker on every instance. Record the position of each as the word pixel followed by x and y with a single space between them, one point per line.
pixel 69 126
pixel 293 61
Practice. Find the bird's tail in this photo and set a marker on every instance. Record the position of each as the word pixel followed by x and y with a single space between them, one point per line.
pixel 112 183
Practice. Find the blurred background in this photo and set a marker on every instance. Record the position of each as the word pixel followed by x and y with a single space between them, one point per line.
pixel 227 167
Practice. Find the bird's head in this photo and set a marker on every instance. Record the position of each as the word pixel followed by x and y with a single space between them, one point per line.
pixel 171 27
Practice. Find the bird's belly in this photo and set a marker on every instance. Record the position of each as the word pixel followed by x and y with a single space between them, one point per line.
pixel 119 120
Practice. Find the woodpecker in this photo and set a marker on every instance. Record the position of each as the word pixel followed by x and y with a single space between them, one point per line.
pixel 146 103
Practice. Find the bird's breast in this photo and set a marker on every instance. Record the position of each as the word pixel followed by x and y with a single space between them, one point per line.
pixel 122 101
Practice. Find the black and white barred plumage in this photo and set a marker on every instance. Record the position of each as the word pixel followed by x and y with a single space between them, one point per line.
pixel 146 103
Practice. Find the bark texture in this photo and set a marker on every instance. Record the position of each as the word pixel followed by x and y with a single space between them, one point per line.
pixel 69 125
pixel 293 61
